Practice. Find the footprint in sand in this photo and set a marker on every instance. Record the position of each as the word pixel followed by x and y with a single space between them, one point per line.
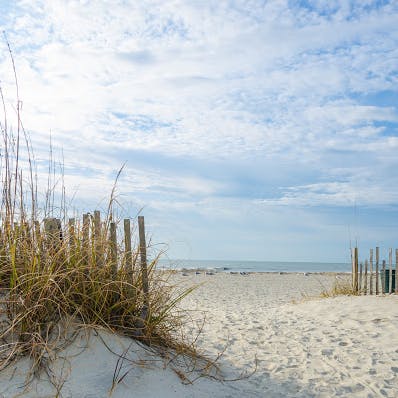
pixel 327 352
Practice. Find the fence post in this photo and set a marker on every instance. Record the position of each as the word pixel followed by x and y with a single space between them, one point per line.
pixel 396 271
pixel 128 259
pixel 360 287
pixel 356 269
pixel 377 270
pixel 390 271
pixel 366 278
pixel 353 267
pixel 371 272
pixel 383 277
pixel 52 228
pixel 144 267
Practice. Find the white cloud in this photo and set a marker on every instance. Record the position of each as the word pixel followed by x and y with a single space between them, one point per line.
pixel 211 80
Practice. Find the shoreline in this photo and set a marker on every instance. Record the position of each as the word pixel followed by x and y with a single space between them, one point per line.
pixel 253 266
pixel 234 272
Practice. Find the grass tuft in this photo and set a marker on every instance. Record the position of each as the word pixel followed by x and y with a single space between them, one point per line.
pixel 48 281
pixel 340 288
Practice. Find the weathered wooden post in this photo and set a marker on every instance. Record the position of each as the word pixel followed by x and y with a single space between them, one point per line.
pixel 377 270
pixel 383 277
pixel 360 287
pixel 144 266
pixel 396 271
pixel 52 228
pixel 353 267
pixel 53 242
pixel 390 271
pixel 356 269
pixel 371 272
pixel 128 259
pixel 366 277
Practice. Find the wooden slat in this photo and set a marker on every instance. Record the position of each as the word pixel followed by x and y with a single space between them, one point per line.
pixel 371 272
pixel 377 270
pixel 353 268
pixel 128 259
pixel 356 268
pixel 396 271
pixel 365 284
pixel 383 277
pixel 97 224
pixel 390 271
pixel 52 229
pixel 360 284
pixel 59 226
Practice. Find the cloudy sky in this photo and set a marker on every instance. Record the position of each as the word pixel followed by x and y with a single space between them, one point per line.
pixel 258 130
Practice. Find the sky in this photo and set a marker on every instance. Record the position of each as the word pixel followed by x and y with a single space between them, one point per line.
pixel 249 130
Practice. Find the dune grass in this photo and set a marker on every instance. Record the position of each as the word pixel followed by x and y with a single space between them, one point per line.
pixel 340 288
pixel 46 282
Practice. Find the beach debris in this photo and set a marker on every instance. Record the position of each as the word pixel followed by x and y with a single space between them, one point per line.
pixel 184 274
pixel 210 273
pixel 243 273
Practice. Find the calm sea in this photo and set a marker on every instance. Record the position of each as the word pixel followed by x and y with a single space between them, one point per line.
pixel 254 266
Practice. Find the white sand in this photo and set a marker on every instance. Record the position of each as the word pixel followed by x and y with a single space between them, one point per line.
pixel 343 346
pixel 336 347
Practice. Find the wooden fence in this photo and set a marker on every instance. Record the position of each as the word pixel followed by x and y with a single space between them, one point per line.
pixel 373 276
pixel 93 234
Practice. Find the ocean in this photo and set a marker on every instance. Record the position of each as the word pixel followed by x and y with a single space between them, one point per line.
pixel 253 266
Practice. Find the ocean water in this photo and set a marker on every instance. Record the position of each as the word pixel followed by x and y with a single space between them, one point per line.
pixel 254 266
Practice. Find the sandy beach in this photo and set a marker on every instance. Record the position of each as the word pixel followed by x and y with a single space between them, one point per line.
pixel 305 346
pixel 299 344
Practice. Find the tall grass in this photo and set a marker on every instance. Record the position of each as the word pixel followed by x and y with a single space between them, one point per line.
pixel 47 281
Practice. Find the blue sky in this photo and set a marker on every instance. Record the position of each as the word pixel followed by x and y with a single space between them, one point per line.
pixel 258 130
